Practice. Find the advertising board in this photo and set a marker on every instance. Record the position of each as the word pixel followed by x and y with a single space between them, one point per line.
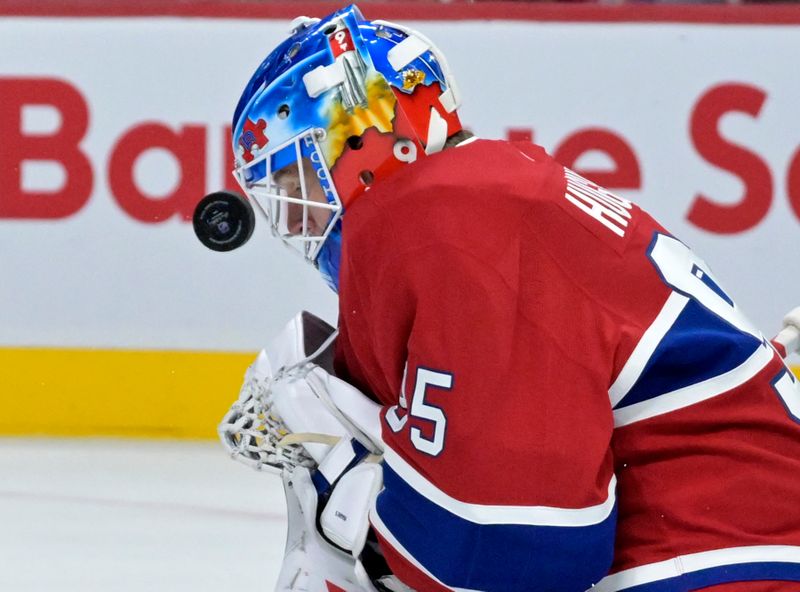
pixel 113 126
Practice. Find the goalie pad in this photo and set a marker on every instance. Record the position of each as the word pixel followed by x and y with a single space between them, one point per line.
pixel 310 564
pixel 345 519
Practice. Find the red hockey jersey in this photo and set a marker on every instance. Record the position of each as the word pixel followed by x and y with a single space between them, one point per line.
pixel 571 399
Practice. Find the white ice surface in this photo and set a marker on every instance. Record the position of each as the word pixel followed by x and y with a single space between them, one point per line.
pixel 91 515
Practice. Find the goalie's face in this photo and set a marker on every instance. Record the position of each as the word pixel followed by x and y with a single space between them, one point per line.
pixel 291 185
pixel 311 217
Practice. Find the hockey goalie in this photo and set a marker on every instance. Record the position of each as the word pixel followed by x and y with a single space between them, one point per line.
pixel 533 385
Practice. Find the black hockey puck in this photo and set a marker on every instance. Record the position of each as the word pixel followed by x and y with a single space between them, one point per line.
pixel 223 220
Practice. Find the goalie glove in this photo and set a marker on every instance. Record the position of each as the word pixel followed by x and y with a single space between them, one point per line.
pixel 290 396
pixel 323 436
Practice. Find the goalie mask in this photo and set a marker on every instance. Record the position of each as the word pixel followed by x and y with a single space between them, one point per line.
pixel 341 104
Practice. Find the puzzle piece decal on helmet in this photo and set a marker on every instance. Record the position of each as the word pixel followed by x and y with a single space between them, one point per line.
pixel 252 138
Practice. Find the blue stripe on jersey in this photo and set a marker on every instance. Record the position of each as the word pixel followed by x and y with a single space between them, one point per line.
pixel 698 346
pixel 494 557
pixel 724 574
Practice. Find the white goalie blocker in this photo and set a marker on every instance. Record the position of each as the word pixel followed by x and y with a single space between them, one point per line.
pixel 323 436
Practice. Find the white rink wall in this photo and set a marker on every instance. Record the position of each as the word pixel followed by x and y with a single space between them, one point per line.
pixel 113 124
pixel 97 275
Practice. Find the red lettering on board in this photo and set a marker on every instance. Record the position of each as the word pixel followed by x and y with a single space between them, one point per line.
pixel 519 134
pixel 745 164
pixel 229 181
pixel 189 148
pixel 62 146
pixel 793 183
pixel 626 173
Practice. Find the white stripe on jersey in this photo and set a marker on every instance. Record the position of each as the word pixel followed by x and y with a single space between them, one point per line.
pixel 486 514
pixel 695 393
pixel 647 345
pixel 684 564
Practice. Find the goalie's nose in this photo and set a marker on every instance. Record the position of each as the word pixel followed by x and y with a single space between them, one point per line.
pixel 299 227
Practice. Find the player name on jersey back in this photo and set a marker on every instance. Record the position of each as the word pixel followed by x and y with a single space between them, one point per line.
pixel 613 212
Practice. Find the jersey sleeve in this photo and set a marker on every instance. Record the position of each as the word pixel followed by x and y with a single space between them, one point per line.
pixel 497 471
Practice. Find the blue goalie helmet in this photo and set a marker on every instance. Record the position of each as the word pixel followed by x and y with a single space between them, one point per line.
pixel 339 105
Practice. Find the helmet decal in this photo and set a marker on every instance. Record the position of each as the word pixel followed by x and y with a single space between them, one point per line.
pixel 377 111
pixel 252 138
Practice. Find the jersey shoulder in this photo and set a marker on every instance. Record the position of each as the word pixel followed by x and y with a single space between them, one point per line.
pixel 505 181
pixel 509 208
pixel 460 196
